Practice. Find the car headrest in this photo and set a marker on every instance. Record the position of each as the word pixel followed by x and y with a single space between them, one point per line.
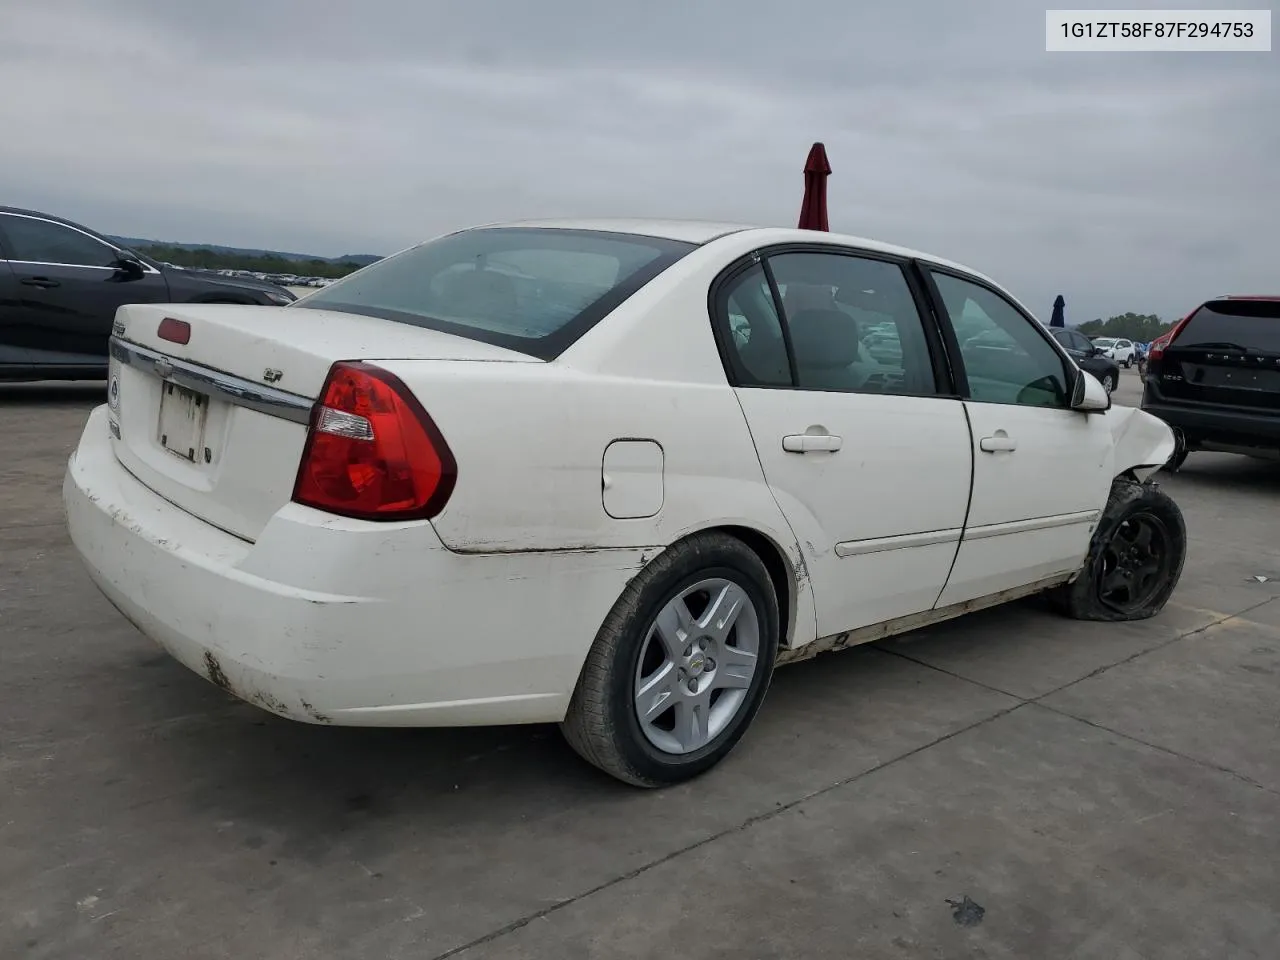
pixel 824 338
pixel 808 296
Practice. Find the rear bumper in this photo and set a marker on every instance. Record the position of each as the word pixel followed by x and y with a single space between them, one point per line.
pixel 327 620
pixel 1216 426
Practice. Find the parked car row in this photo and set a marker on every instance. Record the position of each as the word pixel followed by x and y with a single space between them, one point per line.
pixel 61 284
pixel 604 474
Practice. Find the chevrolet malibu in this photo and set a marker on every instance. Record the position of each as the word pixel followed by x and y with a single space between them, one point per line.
pixel 603 474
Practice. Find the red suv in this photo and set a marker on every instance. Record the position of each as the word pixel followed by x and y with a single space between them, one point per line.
pixel 1215 378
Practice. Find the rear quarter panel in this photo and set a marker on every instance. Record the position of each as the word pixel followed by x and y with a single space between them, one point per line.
pixel 530 439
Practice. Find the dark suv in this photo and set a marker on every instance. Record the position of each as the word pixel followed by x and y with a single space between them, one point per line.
pixel 1215 378
pixel 60 285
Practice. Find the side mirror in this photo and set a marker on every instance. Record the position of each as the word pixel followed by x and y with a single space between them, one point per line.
pixel 1089 394
pixel 129 267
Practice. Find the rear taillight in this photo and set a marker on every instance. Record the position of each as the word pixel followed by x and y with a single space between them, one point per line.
pixel 373 452
pixel 1161 343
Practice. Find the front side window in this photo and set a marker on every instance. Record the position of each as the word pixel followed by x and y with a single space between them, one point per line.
pixel 534 290
pixel 1006 358
pixel 853 324
pixel 40 241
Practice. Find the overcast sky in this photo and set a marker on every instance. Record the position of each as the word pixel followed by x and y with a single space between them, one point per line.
pixel 1142 182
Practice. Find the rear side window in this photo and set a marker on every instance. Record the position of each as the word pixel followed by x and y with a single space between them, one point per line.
pixel 1249 324
pixel 757 349
pixel 534 290
pixel 853 324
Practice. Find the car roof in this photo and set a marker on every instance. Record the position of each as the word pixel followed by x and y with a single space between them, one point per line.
pixel 705 231
pixel 690 231
pixel 42 216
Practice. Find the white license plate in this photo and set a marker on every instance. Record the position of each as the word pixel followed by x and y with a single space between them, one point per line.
pixel 182 416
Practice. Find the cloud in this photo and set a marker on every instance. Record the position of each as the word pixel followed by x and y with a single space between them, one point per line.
pixel 1123 181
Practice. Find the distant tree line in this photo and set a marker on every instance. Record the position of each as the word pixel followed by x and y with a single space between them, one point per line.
pixel 204 259
pixel 1140 327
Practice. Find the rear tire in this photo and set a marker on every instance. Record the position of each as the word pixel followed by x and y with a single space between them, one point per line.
pixel 694 675
pixel 1135 559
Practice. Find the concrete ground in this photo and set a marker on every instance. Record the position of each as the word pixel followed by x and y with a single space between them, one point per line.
pixel 1009 785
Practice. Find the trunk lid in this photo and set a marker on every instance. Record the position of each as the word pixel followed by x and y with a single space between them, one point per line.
pixel 1227 354
pixel 217 425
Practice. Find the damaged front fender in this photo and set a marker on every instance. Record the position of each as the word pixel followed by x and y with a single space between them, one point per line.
pixel 1143 443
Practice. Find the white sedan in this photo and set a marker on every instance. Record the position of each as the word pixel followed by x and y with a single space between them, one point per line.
pixel 605 474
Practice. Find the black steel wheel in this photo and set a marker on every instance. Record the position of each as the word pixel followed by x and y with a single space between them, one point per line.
pixel 1135 559
pixel 1135 563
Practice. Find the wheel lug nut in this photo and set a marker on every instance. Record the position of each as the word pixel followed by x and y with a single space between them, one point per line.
pixel 693 685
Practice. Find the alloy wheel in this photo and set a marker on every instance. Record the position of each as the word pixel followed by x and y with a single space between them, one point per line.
pixel 696 666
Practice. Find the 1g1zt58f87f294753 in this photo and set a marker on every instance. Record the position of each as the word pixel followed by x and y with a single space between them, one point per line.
pixel 604 474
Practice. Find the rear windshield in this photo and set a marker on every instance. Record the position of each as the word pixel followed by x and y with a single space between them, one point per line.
pixel 1251 324
pixel 535 290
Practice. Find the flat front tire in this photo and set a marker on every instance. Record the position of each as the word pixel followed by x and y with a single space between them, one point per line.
pixel 680 666
pixel 1135 559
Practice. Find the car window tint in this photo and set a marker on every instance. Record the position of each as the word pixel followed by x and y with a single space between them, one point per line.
pixel 39 241
pixel 853 324
pixel 757 352
pixel 1006 358
pixel 529 289
pixel 1252 324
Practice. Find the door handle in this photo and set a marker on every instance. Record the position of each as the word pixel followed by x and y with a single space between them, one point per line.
pixel 1000 443
pixel 811 443
pixel 43 283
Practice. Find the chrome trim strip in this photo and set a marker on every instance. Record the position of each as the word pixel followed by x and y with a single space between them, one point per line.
pixel 78 266
pixel 1029 526
pixel 857 548
pixel 215 383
